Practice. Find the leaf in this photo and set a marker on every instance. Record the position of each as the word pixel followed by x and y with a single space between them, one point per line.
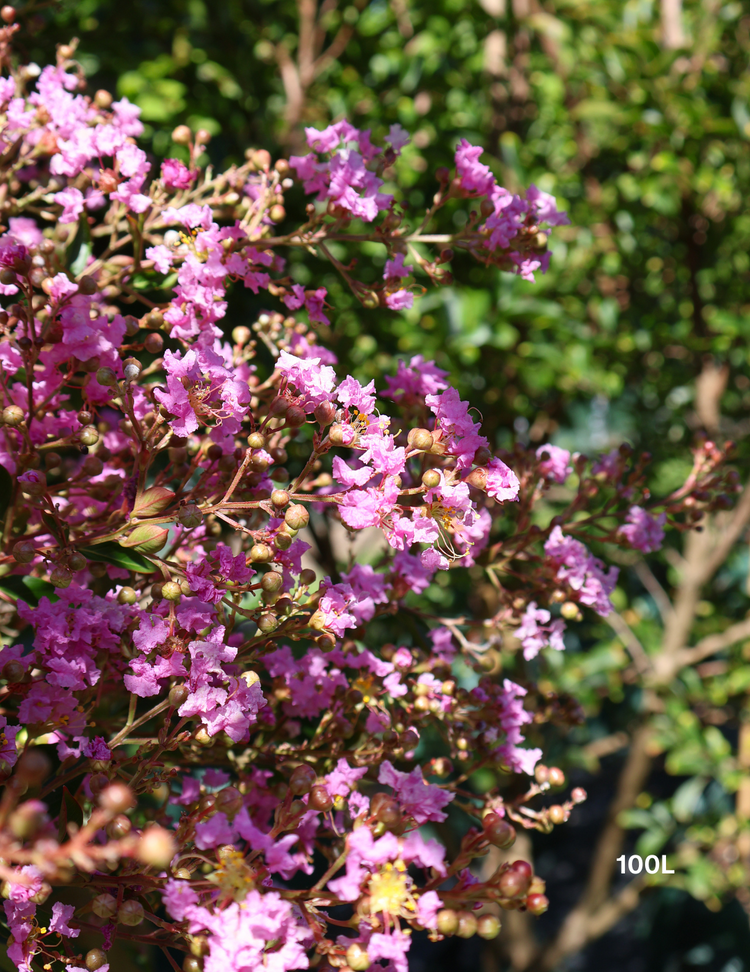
pixel 112 553
pixel 153 501
pixel 687 797
pixel 70 812
pixel 28 589
pixel 6 491
pixel 146 538
pixel 81 248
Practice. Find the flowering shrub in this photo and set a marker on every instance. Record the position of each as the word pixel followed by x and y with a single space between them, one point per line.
pixel 215 739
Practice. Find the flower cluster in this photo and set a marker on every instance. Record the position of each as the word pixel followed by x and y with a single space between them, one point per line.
pixel 210 537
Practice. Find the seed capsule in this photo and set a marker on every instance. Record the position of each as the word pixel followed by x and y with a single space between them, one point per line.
pixel 488 927
pixel 467 924
pixel 13 415
pixel 95 959
pixel 302 780
pixel 130 913
pixel 24 552
pixel 104 906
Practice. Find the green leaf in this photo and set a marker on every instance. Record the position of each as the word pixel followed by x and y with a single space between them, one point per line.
pixel 6 491
pixel 112 553
pixel 81 247
pixel 685 800
pixel 28 589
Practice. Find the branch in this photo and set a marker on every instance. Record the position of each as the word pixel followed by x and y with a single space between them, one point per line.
pixel 646 576
pixel 672 35
pixel 716 642
pixel 636 649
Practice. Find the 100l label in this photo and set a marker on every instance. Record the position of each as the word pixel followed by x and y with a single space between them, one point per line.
pixel 635 864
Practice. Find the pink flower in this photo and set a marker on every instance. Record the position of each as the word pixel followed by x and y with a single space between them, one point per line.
pixel 554 462
pixel 474 177
pixel 420 800
pixel 642 530
pixel 61 915
pixel 537 631
pixel 72 202
pixel 162 256
pixel 176 175
pixel 178 896
pixel 397 138
pixel 399 300
pixel 395 269
pixel 502 482
pixel 416 380
pixel 213 832
pixel 583 572
pixel 313 381
pixel 428 906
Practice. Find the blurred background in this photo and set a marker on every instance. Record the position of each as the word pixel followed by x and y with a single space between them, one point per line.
pixel 636 116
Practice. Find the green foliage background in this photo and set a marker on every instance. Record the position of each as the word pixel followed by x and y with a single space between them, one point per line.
pixel 648 151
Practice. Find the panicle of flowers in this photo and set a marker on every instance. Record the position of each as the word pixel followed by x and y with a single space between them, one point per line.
pixel 207 535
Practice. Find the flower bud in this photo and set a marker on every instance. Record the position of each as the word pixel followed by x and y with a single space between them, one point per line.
pixel 8 13
pixel 302 779
pixel 178 695
pixel 127 596
pixel 261 553
pixel 570 611
pixel 190 516
pixel 95 959
pixel 537 904
pixel 488 927
pixel 498 831
pixel 271 582
pixel 556 813
pixel 267 623
pixel 477 478
pixel 104 906
pixel 324 414
pixel 76 561
pixel 541 773
pixel 13 416
pixel 119 827
pixel 467 924
pixel 192 963
pixel 171 591
pixel 33 767
pixel 153 343
pixel 24 552
pixel 295 416
pixel 420 439
pixel 297 517
pixel 13 671
pixel 556 777
pixel 130 913
pixel 447 921
pixel 229 801
pixel 357 958
pixel 578 795
pixel 60 577
pixel 307 577
pixel 117 798
pixel 156 848
pixel 106 377
pixel 515 882
pixel 182 135
pixel 256 440
pixel 87 286
pixel 320 800
pixel 431 478
pixel 279 497
pixel 28 819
